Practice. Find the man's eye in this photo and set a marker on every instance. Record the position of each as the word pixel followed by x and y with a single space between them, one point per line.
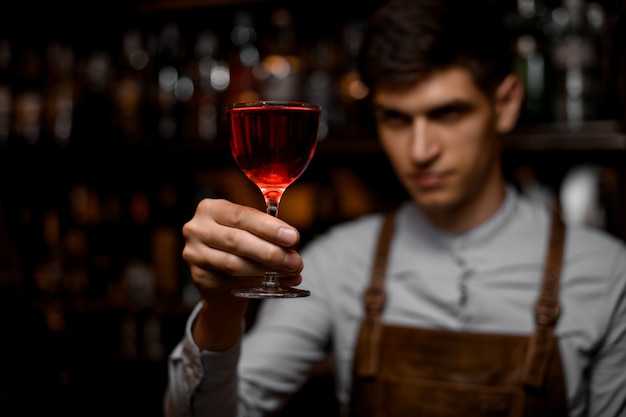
pixel 393 118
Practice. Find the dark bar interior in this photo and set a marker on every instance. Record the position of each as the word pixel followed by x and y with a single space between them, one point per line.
pixel 112 129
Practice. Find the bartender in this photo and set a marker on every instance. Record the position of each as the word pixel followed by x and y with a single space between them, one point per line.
pixel 468 299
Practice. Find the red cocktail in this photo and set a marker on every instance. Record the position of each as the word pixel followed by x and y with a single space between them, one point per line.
pixel 273 143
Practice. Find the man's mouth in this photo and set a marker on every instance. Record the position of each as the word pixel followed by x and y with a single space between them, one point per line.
pixel 428 180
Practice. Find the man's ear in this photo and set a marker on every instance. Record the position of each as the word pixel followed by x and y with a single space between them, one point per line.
pixel 508 102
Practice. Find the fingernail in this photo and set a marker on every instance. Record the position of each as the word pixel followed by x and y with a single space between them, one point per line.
pixel 287 236
pixel 293 261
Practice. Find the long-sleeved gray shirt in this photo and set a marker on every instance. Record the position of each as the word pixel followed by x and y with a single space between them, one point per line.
pixel 484 280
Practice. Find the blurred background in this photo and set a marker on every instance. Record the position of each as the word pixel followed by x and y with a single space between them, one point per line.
pixel 112 129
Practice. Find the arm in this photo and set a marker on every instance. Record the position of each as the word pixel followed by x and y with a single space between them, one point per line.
pixel 226 246
pixel 607 384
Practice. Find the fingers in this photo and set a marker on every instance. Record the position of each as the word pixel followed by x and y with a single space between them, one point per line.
pixel 238 240
pixel 241 262
pixel 247 218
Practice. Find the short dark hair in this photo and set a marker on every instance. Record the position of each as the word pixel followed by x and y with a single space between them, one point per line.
pixel 407 40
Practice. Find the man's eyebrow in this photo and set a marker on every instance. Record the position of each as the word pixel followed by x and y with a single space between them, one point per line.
pixel 456 104
pixel 453 105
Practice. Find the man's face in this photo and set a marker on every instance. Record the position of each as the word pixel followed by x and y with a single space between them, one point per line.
pixel 441 138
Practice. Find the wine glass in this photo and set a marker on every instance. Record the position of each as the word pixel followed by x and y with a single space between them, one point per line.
pixel 273 143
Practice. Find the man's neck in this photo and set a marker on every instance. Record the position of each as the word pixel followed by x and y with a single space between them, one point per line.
pixel 468 215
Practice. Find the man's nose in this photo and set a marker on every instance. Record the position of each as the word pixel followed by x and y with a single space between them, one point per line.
pixel 424 145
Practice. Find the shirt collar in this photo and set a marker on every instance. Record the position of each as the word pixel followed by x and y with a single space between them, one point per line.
pixel 423 229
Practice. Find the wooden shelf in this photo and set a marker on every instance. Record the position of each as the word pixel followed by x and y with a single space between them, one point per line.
pixel 152 6
pixel 603 135
pixel 592 136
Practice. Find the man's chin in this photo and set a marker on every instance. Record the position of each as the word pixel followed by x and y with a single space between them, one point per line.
pixel 434 200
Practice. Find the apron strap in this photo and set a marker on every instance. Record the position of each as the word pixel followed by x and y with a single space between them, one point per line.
pixel 547 308
pixel 374 299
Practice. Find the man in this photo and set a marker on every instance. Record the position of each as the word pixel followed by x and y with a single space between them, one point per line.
pixel 470 301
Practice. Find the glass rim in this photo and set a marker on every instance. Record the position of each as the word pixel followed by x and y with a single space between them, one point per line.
pixel 271 103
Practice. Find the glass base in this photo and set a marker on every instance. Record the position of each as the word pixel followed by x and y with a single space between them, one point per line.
pixel 270 292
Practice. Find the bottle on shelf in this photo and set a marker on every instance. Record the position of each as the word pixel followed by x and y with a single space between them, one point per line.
pixel 280 70
pixel 205 67
pixel 28 98
pixel 60 92
pixel 321 85
pixel 530 46
pixel 6 91
pixel 244 57
pixel 352 91
pixel 577 57
pixel 93 113
pixel 132 86
pixel 174 84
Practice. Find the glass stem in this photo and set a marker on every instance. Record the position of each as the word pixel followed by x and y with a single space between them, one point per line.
pixel 272 208
pixel 272 198
pixel 270 279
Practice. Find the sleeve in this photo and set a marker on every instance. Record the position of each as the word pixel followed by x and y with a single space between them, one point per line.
pixel 255 378
pixel 201 383
pixel 608 373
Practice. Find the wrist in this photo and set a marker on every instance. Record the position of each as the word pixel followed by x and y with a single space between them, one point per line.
pixel 218 326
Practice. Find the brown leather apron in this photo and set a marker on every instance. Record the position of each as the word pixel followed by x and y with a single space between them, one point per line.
pixel 404 371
